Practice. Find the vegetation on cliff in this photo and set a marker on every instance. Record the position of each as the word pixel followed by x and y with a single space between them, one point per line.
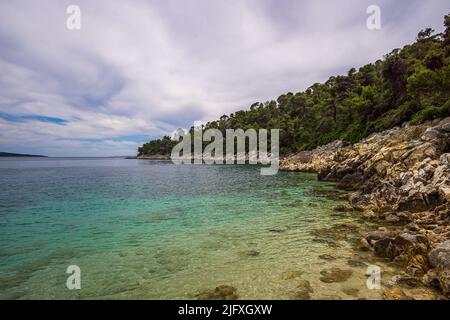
pixel 409 84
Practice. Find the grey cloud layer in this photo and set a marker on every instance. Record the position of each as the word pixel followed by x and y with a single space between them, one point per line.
pixel 145 67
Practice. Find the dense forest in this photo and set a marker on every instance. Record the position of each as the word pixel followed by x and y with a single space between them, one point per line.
pixel 409 84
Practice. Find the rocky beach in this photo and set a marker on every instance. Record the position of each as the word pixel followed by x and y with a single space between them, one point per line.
pixel 399 178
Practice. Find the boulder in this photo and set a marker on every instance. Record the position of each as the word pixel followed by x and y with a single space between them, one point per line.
pixel 439 258
pixel 440 254
pixel 378 235
pixel 382 248
pixel 414 202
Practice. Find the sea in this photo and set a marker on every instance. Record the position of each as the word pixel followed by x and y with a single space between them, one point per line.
pixel 142 229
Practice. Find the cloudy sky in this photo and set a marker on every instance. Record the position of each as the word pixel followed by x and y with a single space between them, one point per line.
pixel 139 69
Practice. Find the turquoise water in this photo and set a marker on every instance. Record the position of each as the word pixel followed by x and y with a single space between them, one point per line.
pixel 154 230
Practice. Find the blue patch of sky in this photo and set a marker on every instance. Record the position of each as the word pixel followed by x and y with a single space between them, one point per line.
pixel 133 138
pixel 31 117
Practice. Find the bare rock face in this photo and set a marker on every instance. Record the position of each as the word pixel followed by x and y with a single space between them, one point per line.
pixel 401 176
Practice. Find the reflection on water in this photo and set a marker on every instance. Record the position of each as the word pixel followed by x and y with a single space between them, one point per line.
pixel 152 230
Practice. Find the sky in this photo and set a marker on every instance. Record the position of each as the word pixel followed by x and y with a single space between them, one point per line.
pixel 137 70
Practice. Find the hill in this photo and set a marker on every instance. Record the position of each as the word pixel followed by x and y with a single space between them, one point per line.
pixel 8 154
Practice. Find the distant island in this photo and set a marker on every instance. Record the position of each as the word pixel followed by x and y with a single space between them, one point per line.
pixel 8 154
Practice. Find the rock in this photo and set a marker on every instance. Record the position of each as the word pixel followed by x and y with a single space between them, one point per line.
pixel 417 265
pixel 422 294
pixel 395 294
pixel 335 275
pixel 445 192
pixel 404 217
pixel 351 291
pixel 252 253
pixel 274 230
pixel 382 247
pixel 351 181
pixel 303 291
pixel 439 258
pixel 430 134
pixel 392 218
pixel 431 279
pixel 291 274
pixel 356 263
pixel 343 208
pixel 377 235
pixel 363 245
pixel 406 249
pixel 414 202
pixel 405 280
pixel 327 257
pixel 412 227
pixel 440 254
pixel 322 174
pixel 370 215
pixel 223 292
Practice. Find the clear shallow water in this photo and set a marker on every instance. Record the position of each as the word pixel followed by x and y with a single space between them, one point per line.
pixel 153 230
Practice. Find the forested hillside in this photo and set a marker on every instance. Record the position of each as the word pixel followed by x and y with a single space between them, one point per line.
pixel 409 84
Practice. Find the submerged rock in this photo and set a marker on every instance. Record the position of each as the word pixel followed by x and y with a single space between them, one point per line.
pixel 275 230
pixel 351 291
pixel 303 291
pixel 292 274
pixel 335 275
pixel 222 292
pixel 382 247
pixel 343 208
pixel 327 257
pixel 356 263
pixel 252 253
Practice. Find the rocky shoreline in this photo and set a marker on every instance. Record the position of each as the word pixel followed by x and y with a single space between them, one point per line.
pixel 400 177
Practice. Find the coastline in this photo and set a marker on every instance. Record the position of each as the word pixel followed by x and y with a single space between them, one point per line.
pixel 150 157
pixel 399 177
pixel 20 155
